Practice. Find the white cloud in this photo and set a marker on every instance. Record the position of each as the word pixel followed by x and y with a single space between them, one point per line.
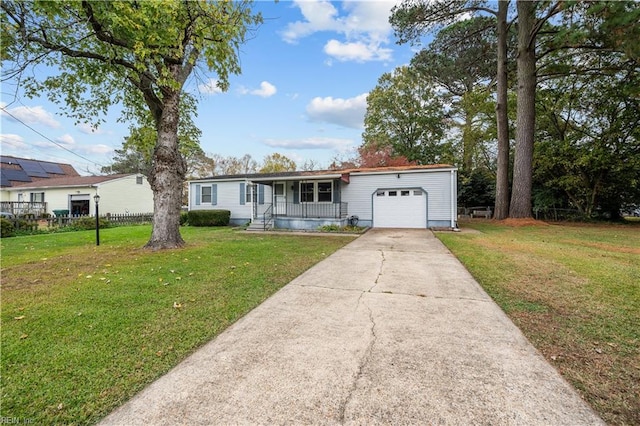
pixel 66 140
pixel 11 141
pixel 98 149
pixel 30 115
pixel 310 143
pixel 319 16
pixel 210 87
pixel 363 24
pixel 266 90
pixel 343 112
pixel 357 51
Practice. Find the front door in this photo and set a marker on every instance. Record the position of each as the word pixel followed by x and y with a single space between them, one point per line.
pixel 280 199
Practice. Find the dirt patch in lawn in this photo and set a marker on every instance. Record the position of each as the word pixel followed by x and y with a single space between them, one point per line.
pixel 522 222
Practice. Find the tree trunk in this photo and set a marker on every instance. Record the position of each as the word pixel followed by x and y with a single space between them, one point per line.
pixel 166 179
pixel 467 139
pixel 526 114
pixel 501 210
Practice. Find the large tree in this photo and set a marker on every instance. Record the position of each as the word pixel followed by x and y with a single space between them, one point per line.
pixel 588 134
pixel 460 60
pixel 138 53
pixel 405 112
pixel 413 18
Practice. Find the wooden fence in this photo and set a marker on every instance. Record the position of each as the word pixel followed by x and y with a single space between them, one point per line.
pixel 115 219
pixel 129 218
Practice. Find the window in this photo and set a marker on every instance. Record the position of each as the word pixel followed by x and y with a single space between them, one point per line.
pixel 306 192
pixel 278 189
pixel 37 197
pixel 205 196
pixel 247 193
pixel 405 193
pixel 417 192
pixel 393 193
pixel 324 192
pixel 138 180
pixel 380 193
pixel 316 192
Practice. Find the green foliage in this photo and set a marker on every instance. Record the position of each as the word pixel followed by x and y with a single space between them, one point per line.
pixel 476 188
pixel 405 112
pixel 209 217
pixel 588 151
pixel 88 222
pixel 349 229
pixel 6 228
pixel 330 228
pixel 184 218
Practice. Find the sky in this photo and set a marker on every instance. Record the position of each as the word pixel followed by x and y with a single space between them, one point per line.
pixel 306 73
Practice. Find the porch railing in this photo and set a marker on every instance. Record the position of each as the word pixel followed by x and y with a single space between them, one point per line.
pixel 311 210
pixel 23 207
pixel 267 221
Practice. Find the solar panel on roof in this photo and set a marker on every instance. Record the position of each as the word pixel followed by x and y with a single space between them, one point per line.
pixel 17 175
pixel 33 168
pixel 52 168
pixel 4 181
pixel 7 160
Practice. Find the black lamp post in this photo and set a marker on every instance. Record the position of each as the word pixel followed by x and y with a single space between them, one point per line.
pixel 96 198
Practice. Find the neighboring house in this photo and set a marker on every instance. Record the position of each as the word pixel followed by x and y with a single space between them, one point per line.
pixel 30 186
pixel 386 197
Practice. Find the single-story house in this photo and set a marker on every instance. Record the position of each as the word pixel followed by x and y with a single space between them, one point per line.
pixel 385 197
pixel 39 187
pixel 74 195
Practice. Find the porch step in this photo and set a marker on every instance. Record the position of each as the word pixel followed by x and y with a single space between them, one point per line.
pixel 256 226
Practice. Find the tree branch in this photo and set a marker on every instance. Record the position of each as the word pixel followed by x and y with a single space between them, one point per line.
pixel 99 30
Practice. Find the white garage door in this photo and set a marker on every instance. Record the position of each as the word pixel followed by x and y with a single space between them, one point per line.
pixel 400 208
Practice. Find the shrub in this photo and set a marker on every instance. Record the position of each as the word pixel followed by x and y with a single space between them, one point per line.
pixel 330 228
pixel 88 222
pixel 209 217
pixel 184 218
pixel 6 228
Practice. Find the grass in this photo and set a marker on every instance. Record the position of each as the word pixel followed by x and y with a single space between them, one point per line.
pixel 84 327
pixel 574 291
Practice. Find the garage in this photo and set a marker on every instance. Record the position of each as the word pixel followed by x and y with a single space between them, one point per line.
pixel 400 208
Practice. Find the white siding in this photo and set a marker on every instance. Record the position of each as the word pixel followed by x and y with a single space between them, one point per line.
pixel 124 196
pixel 117 196
pixel 360 191
pixel 228 198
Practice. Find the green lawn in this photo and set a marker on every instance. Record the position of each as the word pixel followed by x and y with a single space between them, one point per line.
pixel 84 327
pixel 574 290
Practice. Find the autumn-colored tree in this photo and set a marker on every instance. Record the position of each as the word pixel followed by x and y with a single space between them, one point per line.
pixel 275 163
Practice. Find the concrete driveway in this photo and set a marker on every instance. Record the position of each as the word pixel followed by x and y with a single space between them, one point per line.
pixel 391 329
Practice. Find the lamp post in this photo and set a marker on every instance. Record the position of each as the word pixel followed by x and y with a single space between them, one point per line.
pixel 96 198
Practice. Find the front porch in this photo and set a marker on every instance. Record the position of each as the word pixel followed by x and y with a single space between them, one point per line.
pixel 303 216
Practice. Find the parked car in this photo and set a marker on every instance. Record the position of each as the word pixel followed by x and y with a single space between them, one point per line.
pixel 6 215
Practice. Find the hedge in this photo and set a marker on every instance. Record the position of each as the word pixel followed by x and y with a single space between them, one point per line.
pixel 6 228
pixel 209 217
